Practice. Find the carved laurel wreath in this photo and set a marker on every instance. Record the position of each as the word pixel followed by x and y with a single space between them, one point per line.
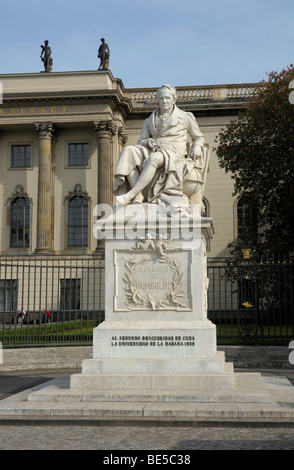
pixel 136 298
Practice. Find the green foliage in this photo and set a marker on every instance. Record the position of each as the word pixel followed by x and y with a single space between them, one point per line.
pixel 258 151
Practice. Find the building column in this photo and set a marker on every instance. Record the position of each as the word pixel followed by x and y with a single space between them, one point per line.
pixel 105 130
pixel 45 131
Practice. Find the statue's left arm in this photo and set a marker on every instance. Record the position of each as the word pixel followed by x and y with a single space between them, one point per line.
pixel 196 136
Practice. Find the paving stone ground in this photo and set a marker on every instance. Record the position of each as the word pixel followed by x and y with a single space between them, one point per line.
pixel 88 436
pixel 122 438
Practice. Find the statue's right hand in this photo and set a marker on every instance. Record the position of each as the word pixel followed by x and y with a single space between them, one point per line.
pixel 151 143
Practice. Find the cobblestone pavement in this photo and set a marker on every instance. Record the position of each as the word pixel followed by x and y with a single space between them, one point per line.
pixel 22 435
pixel 91 437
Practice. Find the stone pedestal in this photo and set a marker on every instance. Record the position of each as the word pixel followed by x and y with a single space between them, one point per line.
pixel 156 335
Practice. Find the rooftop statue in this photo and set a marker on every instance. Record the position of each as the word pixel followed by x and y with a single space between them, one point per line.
pixel 103 54
pixel 169 163
pixel 46 57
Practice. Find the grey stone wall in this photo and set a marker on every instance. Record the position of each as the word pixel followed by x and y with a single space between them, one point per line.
pixel 45 358
pixel 258 356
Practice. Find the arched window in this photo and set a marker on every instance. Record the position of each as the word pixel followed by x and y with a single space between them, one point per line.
pixel 246 222
pixel 78 221
pixel 20 223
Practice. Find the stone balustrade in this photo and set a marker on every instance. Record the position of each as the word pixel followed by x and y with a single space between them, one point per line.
pixel 242 91
pixel 188 95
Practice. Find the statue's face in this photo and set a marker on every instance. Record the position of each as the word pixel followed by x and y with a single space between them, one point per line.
pixel 166 100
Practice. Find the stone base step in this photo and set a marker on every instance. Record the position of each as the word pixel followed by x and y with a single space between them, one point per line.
pixel 251 390
pixel 131 382
pixel 215 365
pixel 254 398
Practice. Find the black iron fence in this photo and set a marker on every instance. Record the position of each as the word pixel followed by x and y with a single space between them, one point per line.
pixel 50 300
pixel 251 302
pixel 59 300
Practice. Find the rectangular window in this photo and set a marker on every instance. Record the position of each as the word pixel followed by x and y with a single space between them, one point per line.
pixel 78 222
pixel 78 154
pixel 20 156
pixel 70 294
pixel 247 222
pixel 8 294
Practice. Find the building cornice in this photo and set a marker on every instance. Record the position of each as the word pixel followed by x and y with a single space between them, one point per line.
pixel 69 98
pixel 56 87
pixel 100 87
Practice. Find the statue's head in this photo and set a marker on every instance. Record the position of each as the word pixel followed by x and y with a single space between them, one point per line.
pixel 166 96
pixel 169 88
pixel 102 39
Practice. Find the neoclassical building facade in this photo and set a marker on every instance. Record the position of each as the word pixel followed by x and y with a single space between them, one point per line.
pixel 60 137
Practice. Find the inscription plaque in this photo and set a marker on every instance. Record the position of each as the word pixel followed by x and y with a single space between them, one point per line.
pixel 152 340
pixel 152 280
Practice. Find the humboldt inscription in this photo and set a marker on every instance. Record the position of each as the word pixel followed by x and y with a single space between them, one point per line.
pixel 161 341
pixel 153 280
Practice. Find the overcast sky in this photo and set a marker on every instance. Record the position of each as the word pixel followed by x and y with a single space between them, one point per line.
pixel 181 42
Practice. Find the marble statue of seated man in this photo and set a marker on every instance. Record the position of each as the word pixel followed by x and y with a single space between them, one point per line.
pixel 167 163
